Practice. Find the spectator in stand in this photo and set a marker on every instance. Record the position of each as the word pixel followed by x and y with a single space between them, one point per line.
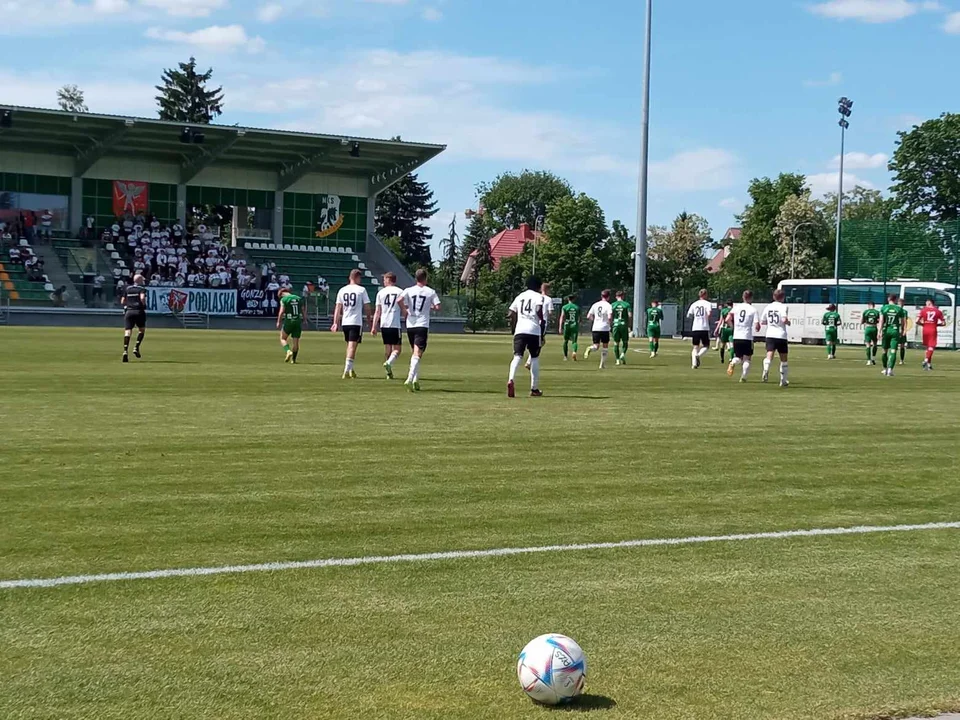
pixel 6 236
pixel 98 282
pixel 29 222
pixel 323 287
pixel 89 228
pixel 59 296
pixel 115 231
pixel 15 258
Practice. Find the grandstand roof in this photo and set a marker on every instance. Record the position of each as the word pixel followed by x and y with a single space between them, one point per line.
pixel 89 137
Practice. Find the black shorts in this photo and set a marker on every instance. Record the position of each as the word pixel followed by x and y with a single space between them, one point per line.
pixel 391 336
pixel 601 337
pixel 353 333
pixel 742 348
pixel 418 337
pixel 134 318
pixel 523 343
pixel 701 338
pixel 778 345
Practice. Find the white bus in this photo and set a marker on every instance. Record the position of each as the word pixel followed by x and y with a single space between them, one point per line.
pixel 808 299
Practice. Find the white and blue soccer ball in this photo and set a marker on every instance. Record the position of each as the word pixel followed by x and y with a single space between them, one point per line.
pixel 552 669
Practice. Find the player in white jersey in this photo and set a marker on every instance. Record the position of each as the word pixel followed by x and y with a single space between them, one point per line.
pixel 386 321
pixel 775 319
pixel 526 313
pixel 602 315
pixel 353 304
pixel 418 302
pixel 547 311
pixel 743 319
pixel 700 312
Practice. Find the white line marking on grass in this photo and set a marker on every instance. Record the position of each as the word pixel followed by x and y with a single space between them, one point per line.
pixel 463 555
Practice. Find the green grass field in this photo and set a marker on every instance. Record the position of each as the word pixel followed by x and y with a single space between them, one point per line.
pixel 212 452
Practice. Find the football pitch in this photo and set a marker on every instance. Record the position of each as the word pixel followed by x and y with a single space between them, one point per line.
pixel 211 453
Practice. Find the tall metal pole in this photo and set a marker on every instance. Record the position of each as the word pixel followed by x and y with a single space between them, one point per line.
pixel 640 255
pixel 836 256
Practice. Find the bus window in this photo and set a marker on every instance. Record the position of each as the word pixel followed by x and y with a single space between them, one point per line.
pixel 861 294
pixel 917 296
pixel 794 293
pixel 822 294
pixel 942 300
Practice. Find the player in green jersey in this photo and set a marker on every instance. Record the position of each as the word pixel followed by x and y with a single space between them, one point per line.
pixel 903 333
pixel 622 321
pixel 894 326
pixel 654 319
pixel 290 323
pixel 871 330
pixel 724 332
pixel 569 327
pixel 831 330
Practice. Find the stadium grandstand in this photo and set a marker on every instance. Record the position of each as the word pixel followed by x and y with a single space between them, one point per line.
pixel 203 211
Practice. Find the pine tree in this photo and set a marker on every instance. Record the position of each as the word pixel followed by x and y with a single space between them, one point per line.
pixel 401 211
pixel 70 98
pixel 184 96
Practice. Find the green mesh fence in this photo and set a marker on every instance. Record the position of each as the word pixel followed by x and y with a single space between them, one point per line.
pixel 889 250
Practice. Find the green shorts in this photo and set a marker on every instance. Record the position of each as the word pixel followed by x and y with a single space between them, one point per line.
pixel 870 334
pixel 653 332
pixel 726 335
pixel 831 334
pixel 891 341
pixel 621 334
pixel 292 328
pixel 570 333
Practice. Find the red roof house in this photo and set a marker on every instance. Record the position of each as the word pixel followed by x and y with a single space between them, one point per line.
pixel 716 262
pixel 508 243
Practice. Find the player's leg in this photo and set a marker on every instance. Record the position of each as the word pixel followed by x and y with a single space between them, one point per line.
pixel 784 367
pixel 576 345
pixel 767 362
pixel 519 347
pixel 903 349
pixel 747 362
pixel 127 331
pixel 141 330
pixel 604 350
pixel 704 345
pixel 593 347
pixel 626 345
pixel 736 357
pixel 535 370
pixel 694 352
pixel 891 343
pixel 413 377
pixel 350 335
pixel 285 344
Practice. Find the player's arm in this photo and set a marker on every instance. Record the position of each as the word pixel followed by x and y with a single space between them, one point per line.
pixel 337 314
pixel 280 315
pixel 941 320
pixel 368 313
pixel 375 327
pixel 560 322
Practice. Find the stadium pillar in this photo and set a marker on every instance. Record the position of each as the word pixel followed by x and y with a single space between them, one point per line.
pixel 76 206
pixel 640 249
pixel 182 204
pixel 278 217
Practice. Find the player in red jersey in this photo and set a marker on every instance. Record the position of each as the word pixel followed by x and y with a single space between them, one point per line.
pixel 930 319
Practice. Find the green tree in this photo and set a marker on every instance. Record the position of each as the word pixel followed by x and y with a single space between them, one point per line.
pixel 753 257
pixel 450 257
pixel 70 98
pixel 402 211
pixel 477 238
pixel 858 204
pixel 618 250
pixel 514 199
pixel 811 255
pixel 677 254
pixel 926 169
pixel 572 256
pixel 185 97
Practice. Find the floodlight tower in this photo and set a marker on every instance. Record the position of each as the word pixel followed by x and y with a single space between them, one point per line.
pixel 845 109
pixel 640 249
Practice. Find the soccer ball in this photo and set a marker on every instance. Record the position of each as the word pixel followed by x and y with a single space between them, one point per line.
pixel 552 669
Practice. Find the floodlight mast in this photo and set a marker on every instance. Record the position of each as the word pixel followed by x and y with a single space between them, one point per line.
pixel 640 248
pixel 845 108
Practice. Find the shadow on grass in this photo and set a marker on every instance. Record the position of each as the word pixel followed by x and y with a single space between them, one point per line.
pixel 584 703
pixel 172 362
pixel 467 392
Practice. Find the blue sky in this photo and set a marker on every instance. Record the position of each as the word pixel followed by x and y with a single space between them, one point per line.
pixel 742 88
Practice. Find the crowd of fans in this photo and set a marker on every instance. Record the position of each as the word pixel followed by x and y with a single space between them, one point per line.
pixel 30 225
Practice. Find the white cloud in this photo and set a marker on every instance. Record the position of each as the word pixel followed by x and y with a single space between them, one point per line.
pixel 110 6
pixel 34 17
pixel 952 24
pixel 186 8
pixel 431 14
pixel 860 161
pixel 822 183
pixel 731 203
pixel 834 78
pixel 215 37
pixel 702 169
pixel 270 13
pixel 107 96
pixel 870 11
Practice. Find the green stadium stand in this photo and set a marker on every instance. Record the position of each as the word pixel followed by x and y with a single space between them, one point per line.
pixel 306 265
pixel 19 289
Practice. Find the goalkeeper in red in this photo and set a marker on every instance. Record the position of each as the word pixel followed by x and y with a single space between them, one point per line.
pixel 894 325
pixel 930 319
pixel 622 322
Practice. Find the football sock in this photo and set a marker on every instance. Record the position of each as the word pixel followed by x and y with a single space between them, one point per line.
pixel 414 369
pixel 295 353
pixel 735 361
pixel 626 346
pixel 703 351
pixel 784 369
pixel 883 360
pixel 746 369
pixel 603 357
pixel 766 365
pixel 514 365
pixel 903 353
pixel 656 346
pixel 594 348
pixel 693 356
pixel 929 356
pixel 566 347
pixel 393 357
pixel 576 346
pixel 139 339
pixel 534 373
pixel 286 347
pixel 723 352
pixel 126 342
pixel 869 354
pixel 349 365
pixel 891 359
pixel 653 346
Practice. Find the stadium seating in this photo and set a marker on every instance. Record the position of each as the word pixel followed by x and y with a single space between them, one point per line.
pixel 20 290
pixel 306 265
